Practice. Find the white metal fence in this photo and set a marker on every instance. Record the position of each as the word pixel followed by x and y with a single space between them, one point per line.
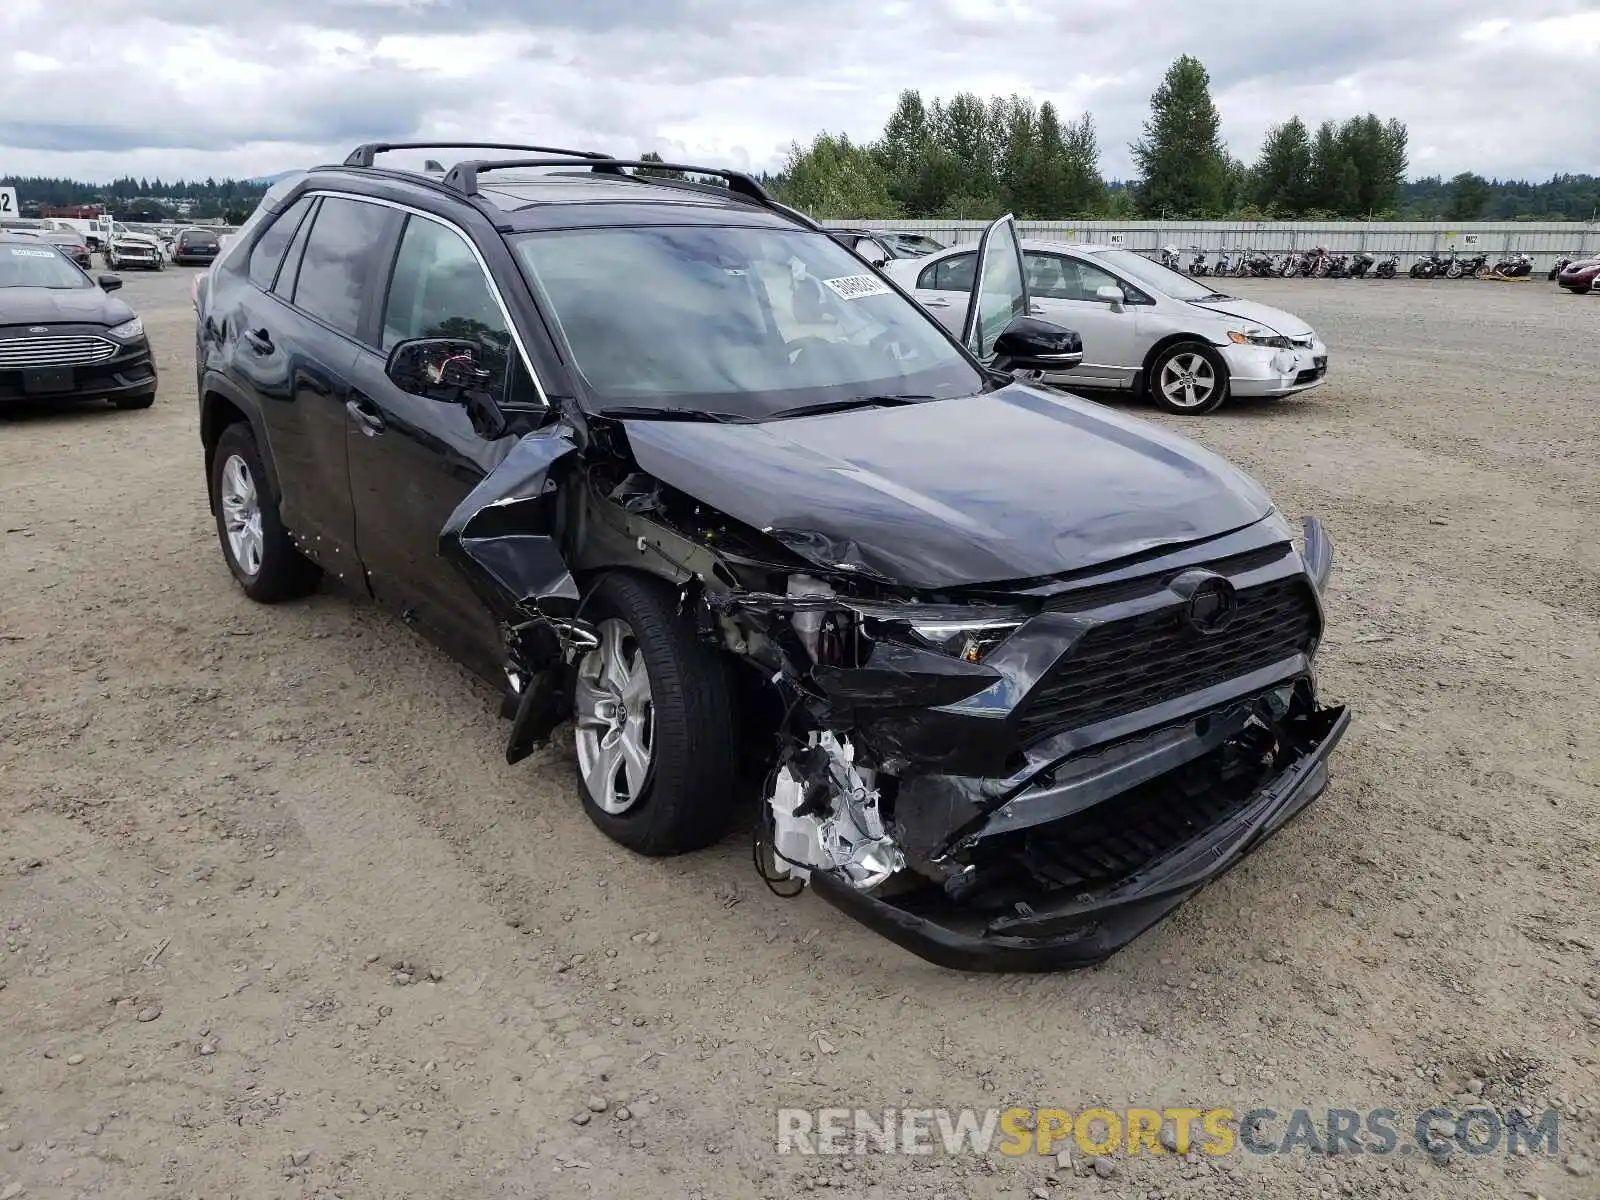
pixel 1545 240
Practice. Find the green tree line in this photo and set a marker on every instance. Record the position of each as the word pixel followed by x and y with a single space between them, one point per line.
pixel 973 158
pixel 131 197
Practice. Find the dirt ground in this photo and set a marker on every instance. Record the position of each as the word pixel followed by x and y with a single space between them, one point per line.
pixel 278 921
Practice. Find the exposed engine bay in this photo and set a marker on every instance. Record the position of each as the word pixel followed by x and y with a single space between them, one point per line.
pixel 996 777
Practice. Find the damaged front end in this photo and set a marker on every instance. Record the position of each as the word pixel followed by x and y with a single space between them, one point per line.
pixel 995 777
pixel 1028 779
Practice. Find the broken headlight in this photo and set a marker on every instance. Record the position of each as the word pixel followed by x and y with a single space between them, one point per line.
pixel 964 631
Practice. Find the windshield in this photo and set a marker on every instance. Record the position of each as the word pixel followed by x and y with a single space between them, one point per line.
pixel 742 322
pixel 191 237
pixel 913 245
pixel 38 266
pixel 1162 279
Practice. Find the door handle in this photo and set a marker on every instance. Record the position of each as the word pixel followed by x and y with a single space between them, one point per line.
pixel 936 303
pixel 259 340
pixel 366 415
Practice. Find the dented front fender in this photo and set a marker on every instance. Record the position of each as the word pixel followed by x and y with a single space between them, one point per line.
pixel 502 536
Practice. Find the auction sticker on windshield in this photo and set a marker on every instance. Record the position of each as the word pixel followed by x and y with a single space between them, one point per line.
pixel 856 287
pixel 21 252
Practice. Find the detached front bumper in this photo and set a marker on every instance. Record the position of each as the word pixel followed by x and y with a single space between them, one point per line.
pixel 1086 929
pixel 1264 371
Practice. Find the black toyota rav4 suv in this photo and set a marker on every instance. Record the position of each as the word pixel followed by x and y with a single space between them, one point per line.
pixel 1007 674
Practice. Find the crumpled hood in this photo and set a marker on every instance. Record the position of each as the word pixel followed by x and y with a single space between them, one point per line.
pixel 45 306
pixel 1274 319
pixel 1010 485
pixel 143 239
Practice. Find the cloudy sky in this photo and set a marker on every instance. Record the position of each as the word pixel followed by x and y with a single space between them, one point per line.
pixel 96 88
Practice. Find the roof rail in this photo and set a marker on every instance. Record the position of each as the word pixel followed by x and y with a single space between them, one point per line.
pixel 463 177
pixel 363 154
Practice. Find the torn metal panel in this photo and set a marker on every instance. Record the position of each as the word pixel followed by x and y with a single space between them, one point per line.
pixel 501 537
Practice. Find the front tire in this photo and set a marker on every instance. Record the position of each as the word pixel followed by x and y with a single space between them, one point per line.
pixel 259 550
pixel 1188 378
pixel 653 723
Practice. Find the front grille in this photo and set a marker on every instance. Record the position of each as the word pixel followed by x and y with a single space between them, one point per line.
pixel 1123 666
pixel 1100 595
pixel 67 350
pixel 1108 842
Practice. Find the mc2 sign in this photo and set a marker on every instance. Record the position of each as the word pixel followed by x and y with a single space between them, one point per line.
pixel 8 204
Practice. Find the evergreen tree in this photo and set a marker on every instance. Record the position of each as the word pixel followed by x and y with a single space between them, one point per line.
pixel 1181 156
pixel 1281 181
pixel 1469 195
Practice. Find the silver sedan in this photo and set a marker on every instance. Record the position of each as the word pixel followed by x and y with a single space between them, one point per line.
pixel 1143 326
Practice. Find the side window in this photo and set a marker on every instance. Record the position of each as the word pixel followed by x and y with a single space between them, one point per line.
pixel 1091 279
pixel 338 266
pixel 267 253
pixel 290 273
pixel 953 274
pixel 1049 275
pixel 438 290
pixel 871 250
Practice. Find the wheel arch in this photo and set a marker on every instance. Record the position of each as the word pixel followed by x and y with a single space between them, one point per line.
pixel 1162 345
pixel 222 405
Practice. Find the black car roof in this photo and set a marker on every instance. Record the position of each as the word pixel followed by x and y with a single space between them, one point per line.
pixel 571 195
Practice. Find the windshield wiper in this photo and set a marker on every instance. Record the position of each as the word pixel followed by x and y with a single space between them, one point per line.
pixel 832 406
pixel 1215 296
pixel 643 413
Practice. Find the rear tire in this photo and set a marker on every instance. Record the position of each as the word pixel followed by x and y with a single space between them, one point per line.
pixel 265 562
pixel 1189 378
pixel 678 795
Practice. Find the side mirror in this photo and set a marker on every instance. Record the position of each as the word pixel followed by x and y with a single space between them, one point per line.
pixel 448 370
pixel 437 368
pixel 1112 295
pixel 1029 344
pixel 109 283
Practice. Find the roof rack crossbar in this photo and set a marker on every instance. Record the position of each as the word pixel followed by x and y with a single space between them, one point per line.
pixel 463 177
pixel 364 154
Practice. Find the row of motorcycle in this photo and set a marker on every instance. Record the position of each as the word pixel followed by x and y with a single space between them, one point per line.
pixel 1320 264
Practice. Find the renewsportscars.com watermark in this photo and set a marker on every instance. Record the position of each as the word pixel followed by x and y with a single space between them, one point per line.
pixel 1102 1132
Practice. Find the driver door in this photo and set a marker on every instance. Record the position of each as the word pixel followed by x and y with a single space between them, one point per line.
pixel 999 292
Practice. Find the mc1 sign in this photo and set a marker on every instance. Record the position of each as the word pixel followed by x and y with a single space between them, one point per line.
pixel 8 204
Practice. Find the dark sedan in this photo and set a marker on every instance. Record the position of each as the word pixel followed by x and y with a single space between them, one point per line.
pixel 1580 276
pixel 195 246
pixel 69 242
pixel 63 336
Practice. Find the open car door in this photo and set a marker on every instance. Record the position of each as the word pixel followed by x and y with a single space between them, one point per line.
pixel 998 329
pixel 999 288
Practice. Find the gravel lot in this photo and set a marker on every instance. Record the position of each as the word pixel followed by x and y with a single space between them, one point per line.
pixel 224 828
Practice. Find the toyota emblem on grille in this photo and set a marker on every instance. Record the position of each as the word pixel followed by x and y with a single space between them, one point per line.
pixel 1209 602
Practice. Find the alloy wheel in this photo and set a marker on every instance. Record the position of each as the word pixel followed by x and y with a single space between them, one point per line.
pixel 1188 380
pixel 614 719
pixel 241 515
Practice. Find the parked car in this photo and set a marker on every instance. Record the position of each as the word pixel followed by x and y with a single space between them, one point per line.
pixel 68 241
pixel 1012 674
pixel 1580 276
pixel 879 247
pixel 64 336
pixel 1144 326
pixel 124 248
pixel 195 245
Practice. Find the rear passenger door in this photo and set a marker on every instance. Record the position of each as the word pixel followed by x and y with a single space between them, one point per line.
pixel 292 344
pixel 943 287
pixel 413 459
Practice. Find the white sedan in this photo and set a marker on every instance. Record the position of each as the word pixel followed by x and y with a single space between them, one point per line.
pixel 1143 326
